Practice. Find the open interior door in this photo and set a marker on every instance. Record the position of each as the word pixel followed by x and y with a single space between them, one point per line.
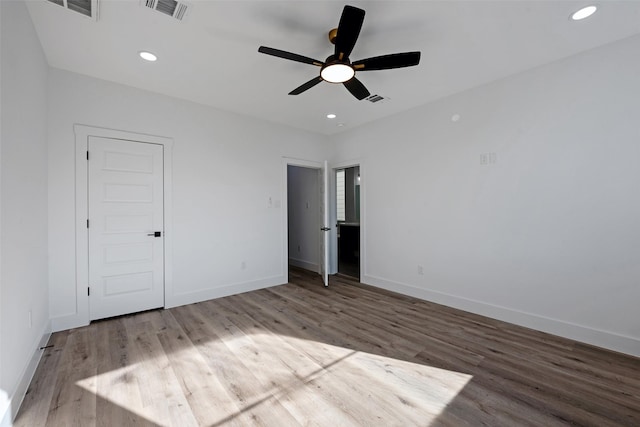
pixel 324 238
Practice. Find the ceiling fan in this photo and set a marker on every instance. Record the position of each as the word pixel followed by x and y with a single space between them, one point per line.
pixel 338 68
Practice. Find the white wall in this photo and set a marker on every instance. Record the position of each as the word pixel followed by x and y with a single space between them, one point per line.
pixel 225 169
pixel 548 235
pixel 304 217
pixel 23 208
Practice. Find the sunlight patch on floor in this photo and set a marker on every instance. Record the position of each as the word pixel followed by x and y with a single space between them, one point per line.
pixel 376 389
pixel 121 387
pixel 275 377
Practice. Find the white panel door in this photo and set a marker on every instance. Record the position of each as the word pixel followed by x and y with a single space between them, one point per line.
pixel 324 238
pixel 126 233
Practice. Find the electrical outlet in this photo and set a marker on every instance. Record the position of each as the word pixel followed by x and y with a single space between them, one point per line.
pixel 243 265
pixel 420 270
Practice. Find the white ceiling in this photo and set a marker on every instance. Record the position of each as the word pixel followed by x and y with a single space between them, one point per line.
pixel 212 56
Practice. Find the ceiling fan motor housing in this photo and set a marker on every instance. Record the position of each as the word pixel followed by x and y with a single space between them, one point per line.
pixel 332 35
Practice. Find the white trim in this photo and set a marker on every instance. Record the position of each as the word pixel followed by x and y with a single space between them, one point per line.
pixel 9 405
pixel 6 417
pixel 82 133
pixel 224 291
pixel 585 334
pixel 311 266
pixel 286 161
pixel 363 214
pixel 68 321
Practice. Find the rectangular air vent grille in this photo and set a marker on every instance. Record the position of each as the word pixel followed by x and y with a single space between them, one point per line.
pixel 374 98
pixel 87 8
pixel 175 9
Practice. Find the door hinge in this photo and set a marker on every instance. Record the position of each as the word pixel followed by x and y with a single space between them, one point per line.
pixel 88 291
pixel 87 155
pixel 87 223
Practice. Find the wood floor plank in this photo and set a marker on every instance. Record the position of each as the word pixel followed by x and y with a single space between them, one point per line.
pixel 292 374
pixel 74 399
pixel 37 401
pixel 347 355
pixel 245 390
pixel 160 387
pixel 115 375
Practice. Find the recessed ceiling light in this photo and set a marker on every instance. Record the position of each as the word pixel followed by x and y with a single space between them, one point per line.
pixel 147 56
pixel 585 12
pixel 331 116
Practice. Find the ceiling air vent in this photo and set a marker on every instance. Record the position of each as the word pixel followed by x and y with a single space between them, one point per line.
pixel 175 9
pixel 88 8
pixel 374 98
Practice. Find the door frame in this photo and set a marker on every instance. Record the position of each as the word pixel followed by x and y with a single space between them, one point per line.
pixel 333 216
pixel 82 134
pixel 310 164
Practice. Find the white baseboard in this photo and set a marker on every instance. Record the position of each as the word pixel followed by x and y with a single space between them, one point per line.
pixel 225 291
pixel 70 321
pixel 5 410
pixel 604 339
pixel 75 320
pixel 311 266
pixel 9 405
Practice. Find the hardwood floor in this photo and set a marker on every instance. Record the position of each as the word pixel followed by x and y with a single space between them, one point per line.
pixel 300 354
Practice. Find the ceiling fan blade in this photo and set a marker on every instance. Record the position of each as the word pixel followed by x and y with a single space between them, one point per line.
pixel 288 55
pixel 348 31
pixel 308 85
pixel 387 62
pixel 356 88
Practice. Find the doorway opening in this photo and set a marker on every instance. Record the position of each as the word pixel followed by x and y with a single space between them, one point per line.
pixel 310 199
pixel 348 220
pixel 304 218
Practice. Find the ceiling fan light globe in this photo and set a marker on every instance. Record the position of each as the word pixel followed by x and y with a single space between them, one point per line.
pixel 583 13
pixel 337 73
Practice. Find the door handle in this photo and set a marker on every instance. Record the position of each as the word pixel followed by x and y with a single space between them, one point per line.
pixel 155 234
pixel 325 229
